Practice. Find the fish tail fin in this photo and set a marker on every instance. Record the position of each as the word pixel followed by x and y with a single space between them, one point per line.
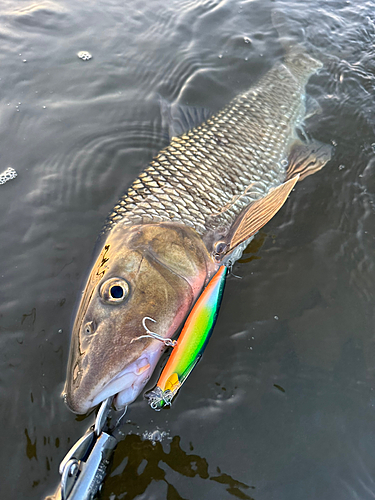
pixel 297 59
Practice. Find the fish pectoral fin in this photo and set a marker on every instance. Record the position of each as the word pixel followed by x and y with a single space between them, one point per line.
pixel 306 158
pixel 258 213
pixel 179 119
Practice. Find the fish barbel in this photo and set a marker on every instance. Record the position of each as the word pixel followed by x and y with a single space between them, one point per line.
pixel 197 205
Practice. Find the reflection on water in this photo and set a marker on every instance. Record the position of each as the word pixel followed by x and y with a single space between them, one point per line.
pixel 30 447
pixel 137 463
pixel 250 253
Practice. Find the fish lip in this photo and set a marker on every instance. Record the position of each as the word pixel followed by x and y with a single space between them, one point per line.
pixel 114 385
pixel 130 378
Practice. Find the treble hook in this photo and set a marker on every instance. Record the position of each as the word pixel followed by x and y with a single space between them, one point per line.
pixel 167 342
pixel 230 265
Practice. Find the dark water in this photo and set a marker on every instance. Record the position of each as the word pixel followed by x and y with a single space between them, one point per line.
pixel 282 405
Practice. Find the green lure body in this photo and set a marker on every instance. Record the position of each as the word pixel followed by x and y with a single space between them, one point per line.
pixel 191 342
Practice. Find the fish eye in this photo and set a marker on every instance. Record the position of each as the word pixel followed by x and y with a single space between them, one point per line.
pixel 90 328
pixel 114 290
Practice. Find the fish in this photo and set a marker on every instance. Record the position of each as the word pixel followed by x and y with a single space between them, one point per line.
pixel 193 209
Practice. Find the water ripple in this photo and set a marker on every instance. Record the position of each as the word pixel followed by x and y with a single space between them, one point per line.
pixel 82 133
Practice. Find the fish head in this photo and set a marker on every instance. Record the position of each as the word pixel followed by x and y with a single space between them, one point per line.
pixel 145 278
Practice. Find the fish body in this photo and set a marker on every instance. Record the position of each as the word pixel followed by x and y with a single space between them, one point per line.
pixel 196 206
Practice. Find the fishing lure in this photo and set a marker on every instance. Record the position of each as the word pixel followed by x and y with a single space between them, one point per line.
pixel 191 343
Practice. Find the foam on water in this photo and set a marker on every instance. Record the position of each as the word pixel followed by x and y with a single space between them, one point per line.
pixel 7 175
pixel 155 436
pixel 84 55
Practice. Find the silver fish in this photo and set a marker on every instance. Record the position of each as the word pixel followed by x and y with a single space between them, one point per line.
pixel 197 205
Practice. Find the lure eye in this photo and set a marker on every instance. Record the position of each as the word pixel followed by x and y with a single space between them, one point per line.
pixel 114 290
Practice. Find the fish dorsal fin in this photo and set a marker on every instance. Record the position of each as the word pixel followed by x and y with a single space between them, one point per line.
pixel 307 158
pixel 258 213
pixel 179 118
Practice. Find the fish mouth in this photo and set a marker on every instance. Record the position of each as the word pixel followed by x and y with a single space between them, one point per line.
pixel 129 382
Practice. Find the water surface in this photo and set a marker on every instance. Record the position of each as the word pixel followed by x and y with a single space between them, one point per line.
pixel 282 404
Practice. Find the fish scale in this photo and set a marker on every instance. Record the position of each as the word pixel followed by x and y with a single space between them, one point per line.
pixel 206 177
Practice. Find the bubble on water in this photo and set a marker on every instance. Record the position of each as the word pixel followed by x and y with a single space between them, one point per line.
pixel 156 436
pixel 8 175
pixel 84 55
pixel 341 167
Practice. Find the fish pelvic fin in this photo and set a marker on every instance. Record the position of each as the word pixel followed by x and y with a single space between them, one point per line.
pixel 307 158
pixel 258 213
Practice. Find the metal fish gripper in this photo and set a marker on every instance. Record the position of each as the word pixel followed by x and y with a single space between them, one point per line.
pixel 84 466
